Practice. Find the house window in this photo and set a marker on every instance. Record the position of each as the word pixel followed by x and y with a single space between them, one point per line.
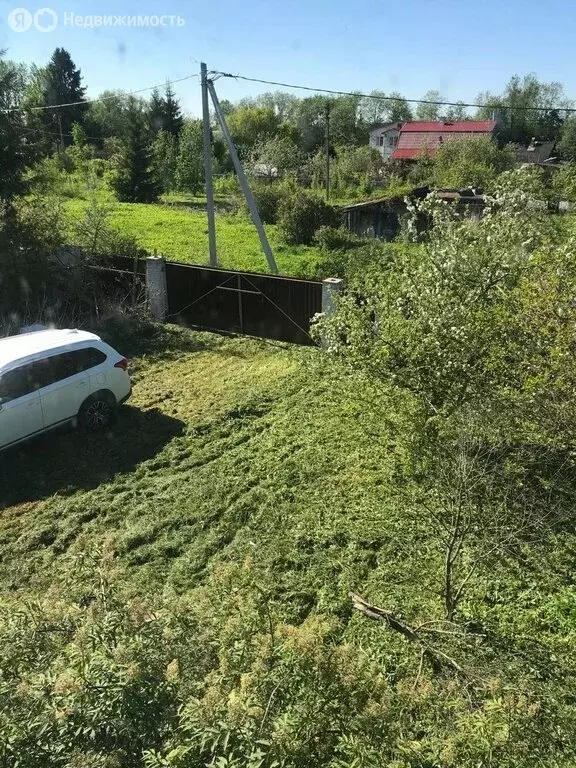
pixel 392 141
pixel 381 140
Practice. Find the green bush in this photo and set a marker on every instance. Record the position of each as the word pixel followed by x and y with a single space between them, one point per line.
pixel 227 186
pixel 564 183
pixel 337 239
pixel 31 231
pixel 471 162
pixel 302 216
pixel 95 235
pixel 449 327
pixel 360 258
pixel 95 676
pixel 269 199
pixel 60 176
pixel 365 187
pixel 69 700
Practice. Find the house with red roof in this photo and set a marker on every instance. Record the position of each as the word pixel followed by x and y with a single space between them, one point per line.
pixel 418 137
pixel 384 137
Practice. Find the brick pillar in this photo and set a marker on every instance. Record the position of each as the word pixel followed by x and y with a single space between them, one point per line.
pixel 156 287
pixel 331 287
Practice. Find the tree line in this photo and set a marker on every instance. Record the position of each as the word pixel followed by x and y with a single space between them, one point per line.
pixel 153 148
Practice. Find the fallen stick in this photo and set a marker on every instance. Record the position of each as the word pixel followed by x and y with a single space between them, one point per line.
pixel 438 659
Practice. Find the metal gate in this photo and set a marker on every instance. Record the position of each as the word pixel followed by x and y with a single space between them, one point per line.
pixel 255 304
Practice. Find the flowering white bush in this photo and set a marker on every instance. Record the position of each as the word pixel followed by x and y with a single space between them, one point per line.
pixel 447 319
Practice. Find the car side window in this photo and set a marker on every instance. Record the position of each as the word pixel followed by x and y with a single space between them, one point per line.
pixel 89 357
pixel 17 383
pixel 49 370
pixel 41 373
pixel 56 368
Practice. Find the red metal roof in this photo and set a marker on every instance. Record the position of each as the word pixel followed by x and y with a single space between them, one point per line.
pixel 405 154
pixel 462 126
pixel 417 137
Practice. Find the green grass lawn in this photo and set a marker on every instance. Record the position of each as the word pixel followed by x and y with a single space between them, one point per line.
pixel 227 449
pixel 236 468
pixel 181 234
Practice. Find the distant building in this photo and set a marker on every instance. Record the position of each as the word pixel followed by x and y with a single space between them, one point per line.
pixel 384 138
pixel 263 171
pixel 421 136
pixel 537 152
pixel 382 218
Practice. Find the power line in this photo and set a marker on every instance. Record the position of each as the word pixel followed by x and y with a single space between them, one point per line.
pixel 495 106
pixel 94 101
pixel 34 131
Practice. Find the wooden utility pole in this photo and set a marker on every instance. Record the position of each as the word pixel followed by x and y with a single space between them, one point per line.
pixel 327 143
pixel 209 183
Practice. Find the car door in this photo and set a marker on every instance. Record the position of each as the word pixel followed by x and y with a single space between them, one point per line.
pixel 95 361
pixel 20 407
pixel 64 386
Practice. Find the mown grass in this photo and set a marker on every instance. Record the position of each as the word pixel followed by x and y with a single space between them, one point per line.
pixel 180 233
pixel 229 448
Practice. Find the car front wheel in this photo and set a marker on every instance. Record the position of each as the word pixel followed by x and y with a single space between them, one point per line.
pixel 97 412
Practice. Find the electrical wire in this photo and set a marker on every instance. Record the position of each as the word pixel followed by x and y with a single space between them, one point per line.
pixel 311 89
pixel 389 98
pixel 35 131
pixel 94 101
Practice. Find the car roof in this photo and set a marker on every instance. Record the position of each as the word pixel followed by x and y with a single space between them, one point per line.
pixel 14 348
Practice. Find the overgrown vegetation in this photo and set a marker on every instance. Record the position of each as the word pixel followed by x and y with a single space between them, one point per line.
pixel 471 163
pixel 301 217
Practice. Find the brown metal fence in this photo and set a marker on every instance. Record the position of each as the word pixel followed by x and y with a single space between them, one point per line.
pixel 250 303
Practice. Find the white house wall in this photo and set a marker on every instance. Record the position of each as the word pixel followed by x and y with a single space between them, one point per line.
pixel 389 140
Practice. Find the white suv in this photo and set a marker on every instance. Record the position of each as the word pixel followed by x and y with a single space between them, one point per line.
pixel 51 377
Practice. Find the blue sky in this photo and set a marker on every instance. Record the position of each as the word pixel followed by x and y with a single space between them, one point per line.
pixel 455 46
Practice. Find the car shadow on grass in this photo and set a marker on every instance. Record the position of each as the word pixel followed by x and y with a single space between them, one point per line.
pixel 67 460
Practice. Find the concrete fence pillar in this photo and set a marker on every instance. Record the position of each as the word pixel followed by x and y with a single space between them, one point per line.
pixel 331 287
pixel 156 287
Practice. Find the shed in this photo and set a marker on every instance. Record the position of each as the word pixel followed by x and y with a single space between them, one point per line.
pixel 382 217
